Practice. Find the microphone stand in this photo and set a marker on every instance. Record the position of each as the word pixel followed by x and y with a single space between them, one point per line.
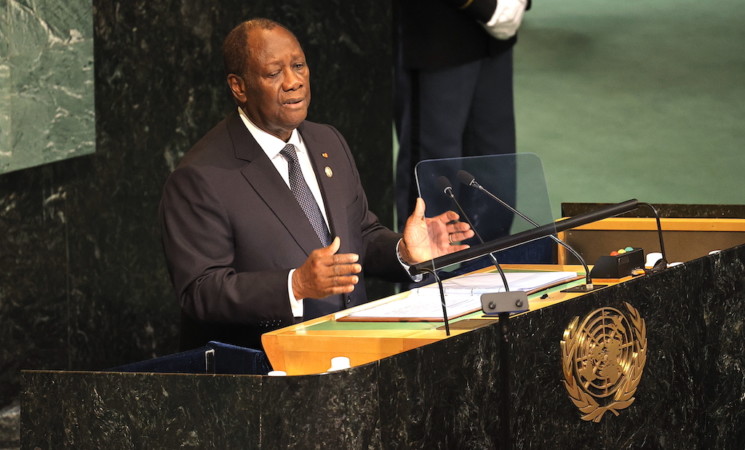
pixel 442 301
pixel 448 190
pixel 469 180
pixel 505 405
pixel 661 264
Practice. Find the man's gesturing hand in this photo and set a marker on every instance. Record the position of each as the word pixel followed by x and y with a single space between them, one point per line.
pixel 326 273
pixel 427 238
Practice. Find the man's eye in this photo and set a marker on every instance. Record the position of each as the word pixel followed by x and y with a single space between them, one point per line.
pixel 273 74
pixel 299 65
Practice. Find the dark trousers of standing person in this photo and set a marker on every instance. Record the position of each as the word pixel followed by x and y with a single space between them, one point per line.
pixel 465 110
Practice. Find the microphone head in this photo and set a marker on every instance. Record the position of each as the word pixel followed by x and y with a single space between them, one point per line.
pixel 444 184
pixel 466 178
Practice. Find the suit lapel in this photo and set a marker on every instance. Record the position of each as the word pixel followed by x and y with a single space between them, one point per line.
pixel 261 174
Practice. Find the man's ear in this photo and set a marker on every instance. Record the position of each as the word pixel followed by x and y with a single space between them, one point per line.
pixel 237 88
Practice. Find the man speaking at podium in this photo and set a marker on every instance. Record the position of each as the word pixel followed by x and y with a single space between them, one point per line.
pixel 264 221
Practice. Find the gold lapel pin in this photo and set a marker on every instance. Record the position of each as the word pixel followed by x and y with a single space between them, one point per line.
pixel 329 172
pixel 325 155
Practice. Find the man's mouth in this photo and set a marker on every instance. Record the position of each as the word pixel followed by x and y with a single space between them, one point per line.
pixel 293 101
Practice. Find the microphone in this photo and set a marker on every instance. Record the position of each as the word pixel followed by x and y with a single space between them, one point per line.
pixel 444 184
pixel 469 180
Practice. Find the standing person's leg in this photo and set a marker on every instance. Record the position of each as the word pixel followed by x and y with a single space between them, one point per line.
pixel 491 123
pixel 445 104
pixel 439 104
pixel 491 131
pixel 403 104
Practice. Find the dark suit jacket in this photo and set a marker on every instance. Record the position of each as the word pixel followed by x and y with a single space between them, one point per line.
pixel 232 230
pixel 437 34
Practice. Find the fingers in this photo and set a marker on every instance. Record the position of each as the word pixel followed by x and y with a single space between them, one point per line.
pixel 449 216
pixel 337 265
pixel 342 285
pixel 326 261
pixel 336 278
pixel 340 259
pixel 457 236
pixel 332 248
pixel 419 208
pixel 456 227
pixel 456 230
pixel 340 270
pixel 326 272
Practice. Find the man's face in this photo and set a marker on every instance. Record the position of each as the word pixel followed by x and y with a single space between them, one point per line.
pixel 276 88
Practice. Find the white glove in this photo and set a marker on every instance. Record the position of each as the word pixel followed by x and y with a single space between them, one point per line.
pixel 506 18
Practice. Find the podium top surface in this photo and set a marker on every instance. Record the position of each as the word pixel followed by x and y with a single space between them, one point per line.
pixel 307 348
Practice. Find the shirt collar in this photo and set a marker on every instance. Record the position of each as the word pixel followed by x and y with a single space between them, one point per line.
pixel 271 145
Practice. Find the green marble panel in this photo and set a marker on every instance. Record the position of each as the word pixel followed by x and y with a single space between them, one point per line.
pixel 46 82
pixel 4 113
pixel 4 85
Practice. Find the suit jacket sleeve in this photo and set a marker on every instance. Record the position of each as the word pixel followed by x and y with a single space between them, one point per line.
pixel 200 250
pixel 480 10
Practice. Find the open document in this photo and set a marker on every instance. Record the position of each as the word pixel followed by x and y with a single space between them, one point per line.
pixel 462 296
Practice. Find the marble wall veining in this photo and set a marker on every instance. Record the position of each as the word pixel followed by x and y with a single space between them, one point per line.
pixel 4 83
pixel 83 284
pixel 46 82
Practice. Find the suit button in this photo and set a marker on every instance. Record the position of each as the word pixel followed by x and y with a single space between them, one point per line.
pixel 348 299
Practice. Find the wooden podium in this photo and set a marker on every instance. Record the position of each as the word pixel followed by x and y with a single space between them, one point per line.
pixel 412 388
pixel 307 348
pixel 686 238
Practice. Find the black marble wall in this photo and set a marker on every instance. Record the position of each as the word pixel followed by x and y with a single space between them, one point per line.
pixel 83 283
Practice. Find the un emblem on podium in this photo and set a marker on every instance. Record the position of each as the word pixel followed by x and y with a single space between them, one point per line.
pixel 603 358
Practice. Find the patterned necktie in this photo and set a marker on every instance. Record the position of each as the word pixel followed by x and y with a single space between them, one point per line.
pixel 303 195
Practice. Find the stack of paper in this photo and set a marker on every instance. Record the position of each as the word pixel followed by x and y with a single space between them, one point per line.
pixel 462 296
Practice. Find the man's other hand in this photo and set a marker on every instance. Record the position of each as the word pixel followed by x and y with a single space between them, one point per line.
pixel 326 273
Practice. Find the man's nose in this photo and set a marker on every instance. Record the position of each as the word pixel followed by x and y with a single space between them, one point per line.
pixel 292 80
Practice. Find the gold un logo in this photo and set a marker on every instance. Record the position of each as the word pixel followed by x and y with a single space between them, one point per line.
pixel 603 359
